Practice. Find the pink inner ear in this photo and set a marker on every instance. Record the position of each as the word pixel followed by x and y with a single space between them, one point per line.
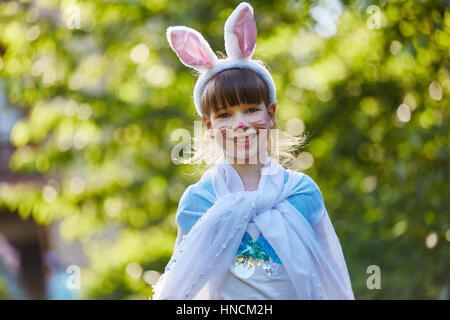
pixel 245 30
pixel 189 48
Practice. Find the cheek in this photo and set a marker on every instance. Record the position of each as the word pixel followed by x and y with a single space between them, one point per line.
pixel 221 123
pixel 220 128
pixel 219 133
pixel 262 126
pixel 261 123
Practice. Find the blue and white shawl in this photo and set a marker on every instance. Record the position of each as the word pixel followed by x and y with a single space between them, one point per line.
pixel 289 210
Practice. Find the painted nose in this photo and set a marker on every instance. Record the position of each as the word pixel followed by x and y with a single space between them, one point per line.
pixel 240 125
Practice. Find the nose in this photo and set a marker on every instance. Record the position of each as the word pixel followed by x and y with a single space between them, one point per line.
pixel 240 121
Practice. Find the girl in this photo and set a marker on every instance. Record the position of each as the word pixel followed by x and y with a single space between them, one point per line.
pixel 249 229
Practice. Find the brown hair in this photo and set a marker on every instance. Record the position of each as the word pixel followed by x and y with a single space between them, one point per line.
pixel 233 87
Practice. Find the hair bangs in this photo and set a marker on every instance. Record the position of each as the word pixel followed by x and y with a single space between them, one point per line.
pixel 233 87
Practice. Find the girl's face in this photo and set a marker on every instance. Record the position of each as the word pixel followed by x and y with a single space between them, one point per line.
pixel 242 131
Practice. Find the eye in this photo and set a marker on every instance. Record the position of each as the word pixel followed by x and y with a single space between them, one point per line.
pixel 223 115
pixel 251 110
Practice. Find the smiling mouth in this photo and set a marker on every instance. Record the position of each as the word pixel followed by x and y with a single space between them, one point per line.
pixel 244 141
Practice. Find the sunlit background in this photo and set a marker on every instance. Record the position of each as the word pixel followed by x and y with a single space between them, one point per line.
pixel 90 93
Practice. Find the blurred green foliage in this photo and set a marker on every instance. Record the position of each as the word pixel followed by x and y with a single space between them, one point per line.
pixel 101 100
pixel 3 293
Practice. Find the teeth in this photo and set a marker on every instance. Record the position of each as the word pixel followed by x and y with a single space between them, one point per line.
pixel 241 139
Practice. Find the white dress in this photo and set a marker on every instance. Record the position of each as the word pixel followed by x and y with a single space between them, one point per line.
pixel 257 273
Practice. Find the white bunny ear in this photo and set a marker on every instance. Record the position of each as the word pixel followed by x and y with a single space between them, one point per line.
pixel 191 48
pixel 240 32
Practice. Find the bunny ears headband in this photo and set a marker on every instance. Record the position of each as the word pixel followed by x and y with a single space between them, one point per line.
pixel 240 40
